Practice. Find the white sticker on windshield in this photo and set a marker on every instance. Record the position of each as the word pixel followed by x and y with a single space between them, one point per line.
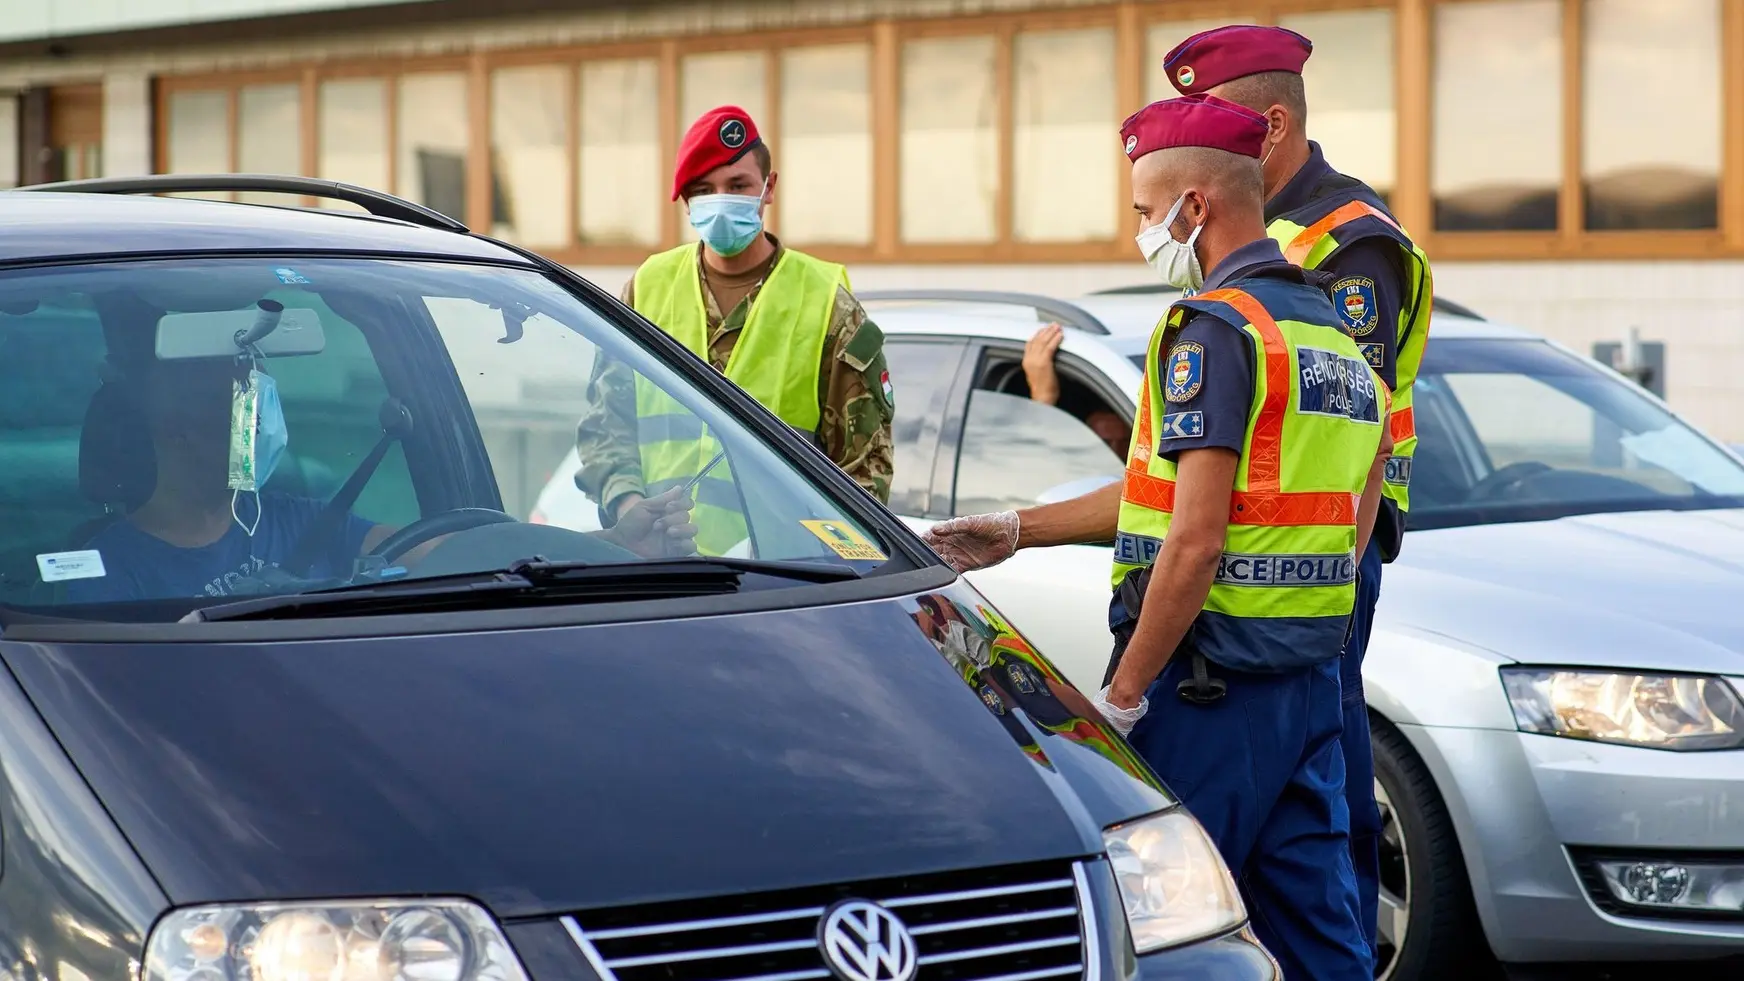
pixel 61 566
pixel 1687 455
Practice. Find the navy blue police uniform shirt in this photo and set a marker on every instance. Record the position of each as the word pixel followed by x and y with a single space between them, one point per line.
pixel 1368 281
pixel 139 566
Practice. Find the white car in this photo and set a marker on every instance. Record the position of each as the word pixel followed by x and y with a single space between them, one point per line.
pixel 1556 675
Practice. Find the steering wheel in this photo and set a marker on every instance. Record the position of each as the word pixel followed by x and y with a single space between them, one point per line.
pixel 435 526
pixel 1506 478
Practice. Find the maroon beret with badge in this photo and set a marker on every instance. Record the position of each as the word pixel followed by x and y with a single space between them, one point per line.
pixel 1194 120
pixel 1210 58
pixel 718 137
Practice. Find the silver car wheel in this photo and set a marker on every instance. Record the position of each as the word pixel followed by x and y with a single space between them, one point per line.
pixel 1394 914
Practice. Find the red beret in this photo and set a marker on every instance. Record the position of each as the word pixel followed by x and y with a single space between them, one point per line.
pixel 1208 59
pixel 1194 120
pixel 717 138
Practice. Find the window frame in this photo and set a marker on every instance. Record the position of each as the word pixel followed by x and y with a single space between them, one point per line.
pixel 1130 20
pixel 947 407
pixel 969 372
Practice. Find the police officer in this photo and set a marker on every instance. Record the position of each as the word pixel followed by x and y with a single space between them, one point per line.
pixel 777 322
pixel 1259 431
pixel 1380 285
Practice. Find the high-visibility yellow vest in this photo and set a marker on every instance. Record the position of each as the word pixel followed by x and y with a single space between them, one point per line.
pixel 777 359
pixel 1286 583
pixel 1310 237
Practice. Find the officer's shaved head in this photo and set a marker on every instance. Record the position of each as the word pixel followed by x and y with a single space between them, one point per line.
pixel 1224 182
pixel 1267 89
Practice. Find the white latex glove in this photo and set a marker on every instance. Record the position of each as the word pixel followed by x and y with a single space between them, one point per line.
pixel 1121 719
pixel 974 541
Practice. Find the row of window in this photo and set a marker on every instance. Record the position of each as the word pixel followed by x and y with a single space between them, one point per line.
pixel 1006 136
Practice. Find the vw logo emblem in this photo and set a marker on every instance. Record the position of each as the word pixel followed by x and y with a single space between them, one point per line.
pixel 863 941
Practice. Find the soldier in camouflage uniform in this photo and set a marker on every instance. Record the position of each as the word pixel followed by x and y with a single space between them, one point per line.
pixel 720 167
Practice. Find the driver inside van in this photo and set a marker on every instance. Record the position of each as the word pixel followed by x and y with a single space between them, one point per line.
pixel 193 536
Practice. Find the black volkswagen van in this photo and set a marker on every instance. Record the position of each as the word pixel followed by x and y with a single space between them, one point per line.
pixel 293 691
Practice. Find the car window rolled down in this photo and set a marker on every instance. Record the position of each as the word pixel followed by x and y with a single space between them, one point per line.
pixel 387 422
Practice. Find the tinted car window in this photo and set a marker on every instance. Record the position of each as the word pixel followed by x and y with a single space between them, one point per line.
pixel 1016 453
pixel 920 376
pixel 1510 430
pixel 116 428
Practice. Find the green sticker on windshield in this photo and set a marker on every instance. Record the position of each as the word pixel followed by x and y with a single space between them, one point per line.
pixel 244 418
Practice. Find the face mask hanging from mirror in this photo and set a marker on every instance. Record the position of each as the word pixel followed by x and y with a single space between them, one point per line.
pixel 258 438
pixel 728 223
pixel 1177 263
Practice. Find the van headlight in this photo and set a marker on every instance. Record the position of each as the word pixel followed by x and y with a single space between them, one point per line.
pixel 1658 711
pixel 425 940
pixel 1173 883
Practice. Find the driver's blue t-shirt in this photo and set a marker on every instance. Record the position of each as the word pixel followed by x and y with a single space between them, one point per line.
pixel 141 566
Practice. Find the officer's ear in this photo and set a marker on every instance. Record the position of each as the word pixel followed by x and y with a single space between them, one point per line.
pixel 769 187
pixel 1278 124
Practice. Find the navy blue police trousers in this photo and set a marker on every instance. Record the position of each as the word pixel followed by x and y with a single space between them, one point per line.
pixel 1359 753
pixel 1262 770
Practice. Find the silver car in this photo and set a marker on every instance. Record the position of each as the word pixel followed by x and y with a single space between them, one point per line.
pixel 1557 670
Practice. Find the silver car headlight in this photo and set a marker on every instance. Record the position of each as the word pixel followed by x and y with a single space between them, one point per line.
pixel 1173 883
pixel 423 940
pixel 1659 711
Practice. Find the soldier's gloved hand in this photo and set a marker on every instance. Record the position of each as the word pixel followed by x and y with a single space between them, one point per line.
pixel 975 541
pixel 1121 719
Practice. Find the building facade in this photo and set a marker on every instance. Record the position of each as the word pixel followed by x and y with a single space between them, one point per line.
pixel 1573 166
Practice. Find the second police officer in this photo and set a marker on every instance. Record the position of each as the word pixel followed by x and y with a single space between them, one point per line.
pixel 1381 290
pixel 1251 485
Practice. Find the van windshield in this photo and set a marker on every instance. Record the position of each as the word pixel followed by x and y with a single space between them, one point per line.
pixel 391 420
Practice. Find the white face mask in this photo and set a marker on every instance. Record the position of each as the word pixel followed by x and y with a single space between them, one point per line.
pixel 1176 262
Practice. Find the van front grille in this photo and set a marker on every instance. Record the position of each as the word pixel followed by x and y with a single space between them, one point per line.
pixel 1020 923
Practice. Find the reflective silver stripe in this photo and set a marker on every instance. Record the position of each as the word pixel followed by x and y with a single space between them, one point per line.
pixel 1239 569
pixel 712 491
pixel 671 427
pixel 1236 569
pixel 1131 549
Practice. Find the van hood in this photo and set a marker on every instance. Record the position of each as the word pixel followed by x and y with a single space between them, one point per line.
pixel 545 770
pixel 1649 590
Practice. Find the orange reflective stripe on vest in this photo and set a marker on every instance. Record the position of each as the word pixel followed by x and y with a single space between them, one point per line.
pixel 1403 423
pixel 1262 503
pixel 1299 247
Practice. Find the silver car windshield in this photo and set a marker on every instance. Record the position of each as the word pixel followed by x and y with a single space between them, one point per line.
pixel 1515 430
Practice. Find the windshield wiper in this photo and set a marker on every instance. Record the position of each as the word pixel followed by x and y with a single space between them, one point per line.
pixel 532 581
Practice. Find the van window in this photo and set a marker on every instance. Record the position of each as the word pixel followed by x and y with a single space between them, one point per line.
pixel 444 395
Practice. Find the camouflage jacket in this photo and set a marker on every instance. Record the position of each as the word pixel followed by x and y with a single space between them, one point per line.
pixel 854 404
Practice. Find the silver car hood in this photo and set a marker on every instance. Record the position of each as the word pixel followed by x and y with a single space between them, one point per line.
pixel 1661 589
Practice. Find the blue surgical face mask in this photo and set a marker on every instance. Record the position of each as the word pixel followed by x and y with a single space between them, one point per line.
pixel 271 437
pixel 728 223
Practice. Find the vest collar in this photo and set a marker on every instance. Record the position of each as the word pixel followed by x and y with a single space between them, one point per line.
pixel 1242 263
pixel 1299 190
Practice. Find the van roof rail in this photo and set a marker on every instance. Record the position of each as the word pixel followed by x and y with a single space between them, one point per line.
pixel 377 203
pixel 1060 311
